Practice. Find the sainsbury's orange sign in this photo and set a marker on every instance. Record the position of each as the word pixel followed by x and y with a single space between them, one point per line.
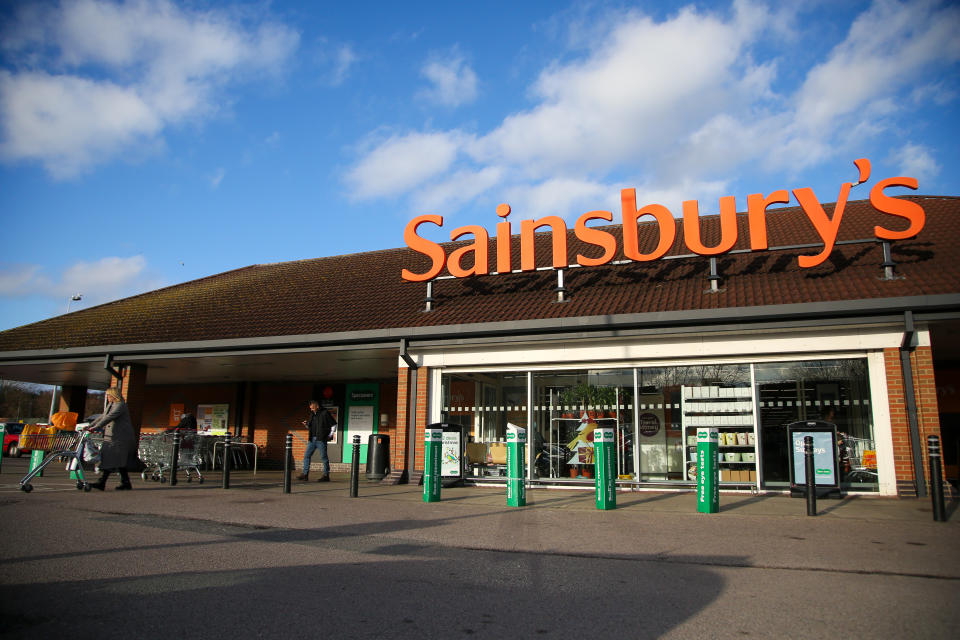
pixel 826 226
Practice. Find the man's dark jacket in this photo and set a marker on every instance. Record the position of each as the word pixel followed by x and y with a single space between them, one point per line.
pixel 319 424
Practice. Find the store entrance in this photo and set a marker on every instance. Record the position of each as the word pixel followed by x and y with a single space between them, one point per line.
pixel 835 391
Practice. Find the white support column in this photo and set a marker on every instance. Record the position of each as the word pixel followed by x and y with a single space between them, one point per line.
pixel 882 429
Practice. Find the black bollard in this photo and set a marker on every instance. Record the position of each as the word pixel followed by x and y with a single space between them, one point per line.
pixel 936 479
pixel 287 463
pixel 355 468
pixel 226 462
pixel 174 458
pixel 811 479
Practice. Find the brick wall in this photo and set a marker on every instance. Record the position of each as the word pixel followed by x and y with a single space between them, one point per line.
pixel 280 407
pixel 422 395
pixel 272 410
pixel 402 432
pixel 388 407
pixel 398 444
pixel 158 398
pixel 928 419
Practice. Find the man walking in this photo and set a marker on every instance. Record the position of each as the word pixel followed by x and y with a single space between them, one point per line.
pixel 320 426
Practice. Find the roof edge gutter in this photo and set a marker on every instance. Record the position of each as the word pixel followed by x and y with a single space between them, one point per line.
pixel 907 346
pixel 404 343
pixel 108 365
pixel 685 318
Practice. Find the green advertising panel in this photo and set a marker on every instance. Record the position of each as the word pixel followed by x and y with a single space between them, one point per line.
pixel 516 483
pixel 708 471
pixel 605 482
pixel 432 449
pixel 36 457
pixel 361 418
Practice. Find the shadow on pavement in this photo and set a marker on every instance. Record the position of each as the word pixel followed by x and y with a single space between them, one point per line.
pixel 420 592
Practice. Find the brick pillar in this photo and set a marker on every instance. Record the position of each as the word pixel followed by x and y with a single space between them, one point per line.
pixel 928 411
pixel 400 463
pixel 928 418
pixel 398 448
pixel 421 424
pixel 133 389
pixel 73 398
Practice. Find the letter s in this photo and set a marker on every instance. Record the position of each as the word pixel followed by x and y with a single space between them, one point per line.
pixel 428 248
pixel 897 207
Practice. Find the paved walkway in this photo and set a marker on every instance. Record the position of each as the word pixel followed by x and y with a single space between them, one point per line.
pixel 857 534
pixel 857 507
pixel 653 567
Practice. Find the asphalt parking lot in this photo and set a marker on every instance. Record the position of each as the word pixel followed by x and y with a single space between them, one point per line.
pixel 202 561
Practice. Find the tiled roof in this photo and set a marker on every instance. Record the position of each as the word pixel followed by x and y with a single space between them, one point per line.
pixel 365 290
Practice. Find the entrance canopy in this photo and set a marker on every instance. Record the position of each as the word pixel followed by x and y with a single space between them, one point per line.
pixel 330 364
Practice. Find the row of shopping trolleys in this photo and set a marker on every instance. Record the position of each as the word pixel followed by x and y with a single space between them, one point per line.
pixel 155 451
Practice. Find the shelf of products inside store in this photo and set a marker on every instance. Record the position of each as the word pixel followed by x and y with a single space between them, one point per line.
pixel 730 411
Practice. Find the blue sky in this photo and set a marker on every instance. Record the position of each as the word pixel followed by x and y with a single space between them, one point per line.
pixel 151 142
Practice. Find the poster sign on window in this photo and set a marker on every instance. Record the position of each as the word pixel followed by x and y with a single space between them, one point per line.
pixel 450 454
pixel 360 421
pixel 824 453
pixel 213 418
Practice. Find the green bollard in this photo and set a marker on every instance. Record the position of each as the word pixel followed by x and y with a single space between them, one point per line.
pixel 36 457
pixel 708 471
pixel 605 472
pixel 432 448
pixel 516 483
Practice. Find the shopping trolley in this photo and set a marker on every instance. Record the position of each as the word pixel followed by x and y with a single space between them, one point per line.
pixel 862 457
pixel 150 452
pixel 61 445
pixel 156 453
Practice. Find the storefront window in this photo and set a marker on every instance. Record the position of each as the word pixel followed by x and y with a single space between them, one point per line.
pixel 657 411
pixel 483 404
pixel 673 402
pixel 568 406
pixel 835 391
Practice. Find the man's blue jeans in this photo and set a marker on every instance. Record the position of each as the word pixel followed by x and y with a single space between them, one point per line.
pixel 318 445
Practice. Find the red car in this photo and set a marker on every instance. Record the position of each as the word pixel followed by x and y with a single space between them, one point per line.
pixel 11 438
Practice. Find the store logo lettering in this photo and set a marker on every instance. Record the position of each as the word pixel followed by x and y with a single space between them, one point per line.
pixel 827 228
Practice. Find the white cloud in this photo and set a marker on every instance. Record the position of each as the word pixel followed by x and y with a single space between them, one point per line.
pixel 115 75
pixel 335 60
pixel 343 61
pixel 217 177
pixel 643 85
pixel 106 279
pixel 564 197
pixel 682 105
pixel 68 122
pixel 916 161
pixel 102 279
pixel 401 163
pixel 672 196
pixel 885 47
pixel 18 280
pixel 457 189
pixel 453 82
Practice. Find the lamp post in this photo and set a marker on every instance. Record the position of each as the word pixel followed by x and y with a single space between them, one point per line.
pixel 75 298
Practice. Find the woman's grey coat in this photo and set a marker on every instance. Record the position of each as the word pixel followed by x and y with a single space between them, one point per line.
pixel 119 448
